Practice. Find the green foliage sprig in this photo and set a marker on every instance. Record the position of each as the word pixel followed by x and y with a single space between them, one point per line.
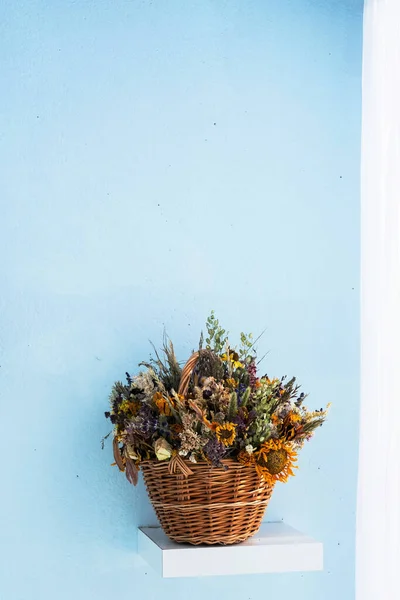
pixel 217 336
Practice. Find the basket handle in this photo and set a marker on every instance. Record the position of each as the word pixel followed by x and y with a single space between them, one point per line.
pixel 187 373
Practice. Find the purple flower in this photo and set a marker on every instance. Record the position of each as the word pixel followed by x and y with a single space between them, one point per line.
pixel 241 419
pixel 240 391
pixel 252 371
pixel 215 451
pixel 144 424
pixel 252 415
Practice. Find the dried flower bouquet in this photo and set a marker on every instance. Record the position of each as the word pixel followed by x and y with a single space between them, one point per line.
pixel 223 410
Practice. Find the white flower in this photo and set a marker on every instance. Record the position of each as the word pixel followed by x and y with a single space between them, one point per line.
pixel 182 452
pixel 273 431
pixel 249 449
pixel 192 458
pixel 145 382
pixel 162 449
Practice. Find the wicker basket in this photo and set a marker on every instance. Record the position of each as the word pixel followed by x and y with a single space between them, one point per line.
pixel 211 506
pixel 205 504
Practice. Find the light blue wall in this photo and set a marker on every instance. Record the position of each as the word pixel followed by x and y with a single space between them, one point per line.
pixel 160 159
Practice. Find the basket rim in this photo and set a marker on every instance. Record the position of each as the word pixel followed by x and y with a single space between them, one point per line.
pixel 200 463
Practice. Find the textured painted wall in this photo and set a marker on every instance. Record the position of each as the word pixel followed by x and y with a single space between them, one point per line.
pixel 160 159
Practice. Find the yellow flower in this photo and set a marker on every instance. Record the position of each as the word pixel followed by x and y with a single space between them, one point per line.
pixel 130 406
pixel 232 357
pixel 162 449
pixel 231 382
pixel 294 417
pixel 226 433
pixel 275 461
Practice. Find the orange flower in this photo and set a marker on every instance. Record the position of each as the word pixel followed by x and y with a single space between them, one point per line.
pixel 275 419
pixel 164 405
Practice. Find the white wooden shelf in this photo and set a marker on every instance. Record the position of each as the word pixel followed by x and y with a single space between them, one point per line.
pixel 276 548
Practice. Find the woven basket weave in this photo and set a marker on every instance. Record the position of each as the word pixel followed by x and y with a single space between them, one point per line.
pixel 210 505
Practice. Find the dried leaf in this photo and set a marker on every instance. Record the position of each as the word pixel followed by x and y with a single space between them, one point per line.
pixel 104 439
pixel 117 455
pixel 201 415
pixel 131 472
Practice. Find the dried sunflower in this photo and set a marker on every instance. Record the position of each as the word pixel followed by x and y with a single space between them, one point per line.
pixel 275 460
pixel 226 433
